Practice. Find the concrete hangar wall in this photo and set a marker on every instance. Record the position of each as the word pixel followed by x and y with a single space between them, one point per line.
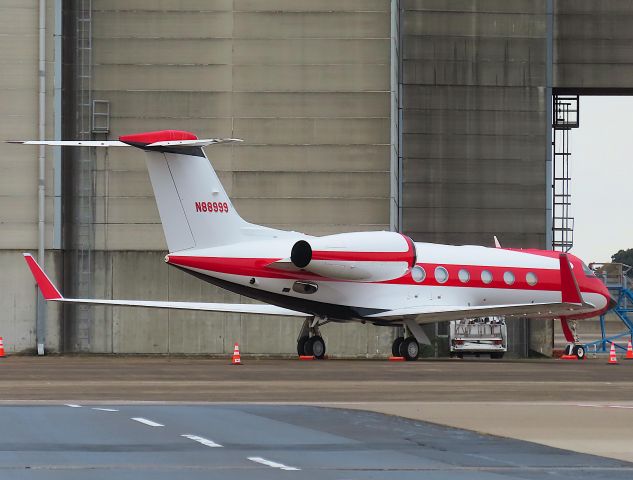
pixel 308 85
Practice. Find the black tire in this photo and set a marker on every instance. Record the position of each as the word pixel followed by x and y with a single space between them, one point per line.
pixel 317 347
pixel 497 355
pixel 569 349
pixel 410 349
pixel 395 346
pixel 579 351
pixel 301 346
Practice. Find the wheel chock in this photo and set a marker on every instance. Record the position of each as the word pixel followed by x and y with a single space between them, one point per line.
pixel 396 359
pixel 568 357
pixel 306 357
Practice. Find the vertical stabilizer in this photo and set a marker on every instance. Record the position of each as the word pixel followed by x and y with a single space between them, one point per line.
pixel 194 208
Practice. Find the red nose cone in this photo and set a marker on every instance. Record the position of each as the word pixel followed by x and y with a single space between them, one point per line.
pixel 160 136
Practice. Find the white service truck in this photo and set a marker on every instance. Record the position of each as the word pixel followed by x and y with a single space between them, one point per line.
pixel 477 336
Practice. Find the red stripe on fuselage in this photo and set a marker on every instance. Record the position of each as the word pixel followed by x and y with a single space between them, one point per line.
pixel 548 279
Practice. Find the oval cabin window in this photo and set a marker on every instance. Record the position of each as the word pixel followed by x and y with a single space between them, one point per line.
pixel 508 277
pixel 464 275
pixel 531 278
pixel 486 277
pixel 418 274
pixel 441 274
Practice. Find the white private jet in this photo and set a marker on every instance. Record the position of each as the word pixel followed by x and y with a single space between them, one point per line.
pixel 382 278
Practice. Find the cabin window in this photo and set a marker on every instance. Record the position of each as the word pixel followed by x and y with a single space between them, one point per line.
pixel 486 277
pixel 418 274
pixel 441 274
pixel 531 278
pixel 464 275
pixel 508 277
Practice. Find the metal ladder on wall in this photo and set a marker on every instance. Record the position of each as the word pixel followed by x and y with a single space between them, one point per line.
pixel 85 170
pixel 565 112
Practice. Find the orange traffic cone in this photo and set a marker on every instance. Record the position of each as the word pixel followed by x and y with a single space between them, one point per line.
pixel 613 358
pixel 236 360
pixel 629 351
pixel 2 355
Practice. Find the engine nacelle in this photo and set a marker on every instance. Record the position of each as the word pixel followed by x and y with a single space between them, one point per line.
pixel 360 256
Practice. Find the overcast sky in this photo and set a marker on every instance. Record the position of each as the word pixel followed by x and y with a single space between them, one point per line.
pixel 602 177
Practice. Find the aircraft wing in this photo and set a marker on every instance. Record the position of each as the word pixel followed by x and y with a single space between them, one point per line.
pixel 430 314
pixel 50 293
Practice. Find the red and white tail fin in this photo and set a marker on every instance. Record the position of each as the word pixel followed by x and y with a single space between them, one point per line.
pixel 194 208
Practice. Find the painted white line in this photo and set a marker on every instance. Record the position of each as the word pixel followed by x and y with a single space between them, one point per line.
pixel 202 440
pixel 268 463
pixel 72 405
pixel 105 409
pixel 147 422
pixel 604 406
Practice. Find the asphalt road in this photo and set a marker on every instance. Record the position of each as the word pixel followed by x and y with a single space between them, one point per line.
pixel 123 442
pixel 215 380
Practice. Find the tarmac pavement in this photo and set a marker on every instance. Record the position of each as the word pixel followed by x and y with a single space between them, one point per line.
pixel 122 442
pixel 584 406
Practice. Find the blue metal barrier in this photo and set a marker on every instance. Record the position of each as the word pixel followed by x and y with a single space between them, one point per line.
pixel 615 277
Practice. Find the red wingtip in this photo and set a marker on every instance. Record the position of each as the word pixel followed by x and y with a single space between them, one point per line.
pixel 568 284
pixel 46 286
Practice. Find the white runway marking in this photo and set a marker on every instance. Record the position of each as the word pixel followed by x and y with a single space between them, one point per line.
pixel 202 440
pixel 604 406
pixel 105 409
pixel 147 422
pixel 268 463
pixel 72 405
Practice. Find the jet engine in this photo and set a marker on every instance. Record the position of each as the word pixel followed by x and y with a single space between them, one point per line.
pixel 360 256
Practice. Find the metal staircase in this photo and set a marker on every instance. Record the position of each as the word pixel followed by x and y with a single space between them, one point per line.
pixel 616 278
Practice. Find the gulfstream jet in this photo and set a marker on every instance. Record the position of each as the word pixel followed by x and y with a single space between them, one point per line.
pixel 383 278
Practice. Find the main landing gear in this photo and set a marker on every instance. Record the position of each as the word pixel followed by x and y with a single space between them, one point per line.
pixel 574 347
pixel 409 348
pixel 310 342
pixel 407 344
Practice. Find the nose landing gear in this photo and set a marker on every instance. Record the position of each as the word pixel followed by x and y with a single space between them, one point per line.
pixel 574 347
pixel 310 342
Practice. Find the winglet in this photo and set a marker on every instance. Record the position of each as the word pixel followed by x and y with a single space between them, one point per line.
pixel 568 284
pixel 497 244
pixel 46 286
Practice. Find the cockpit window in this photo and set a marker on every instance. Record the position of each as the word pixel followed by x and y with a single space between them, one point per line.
pixel 588 271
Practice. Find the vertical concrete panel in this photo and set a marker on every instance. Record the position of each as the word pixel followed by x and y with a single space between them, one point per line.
pixel 140 330
pixel 473 77
pixel 593 44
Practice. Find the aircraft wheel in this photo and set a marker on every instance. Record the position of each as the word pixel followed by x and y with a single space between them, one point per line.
pixel 301 346
pixel 395 347
pixel 410 349
pixel 315 346
pixel 579 351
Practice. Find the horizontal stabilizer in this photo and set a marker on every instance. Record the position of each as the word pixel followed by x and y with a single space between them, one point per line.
pixel 51 293
pixel 72 143
pixel 117 143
